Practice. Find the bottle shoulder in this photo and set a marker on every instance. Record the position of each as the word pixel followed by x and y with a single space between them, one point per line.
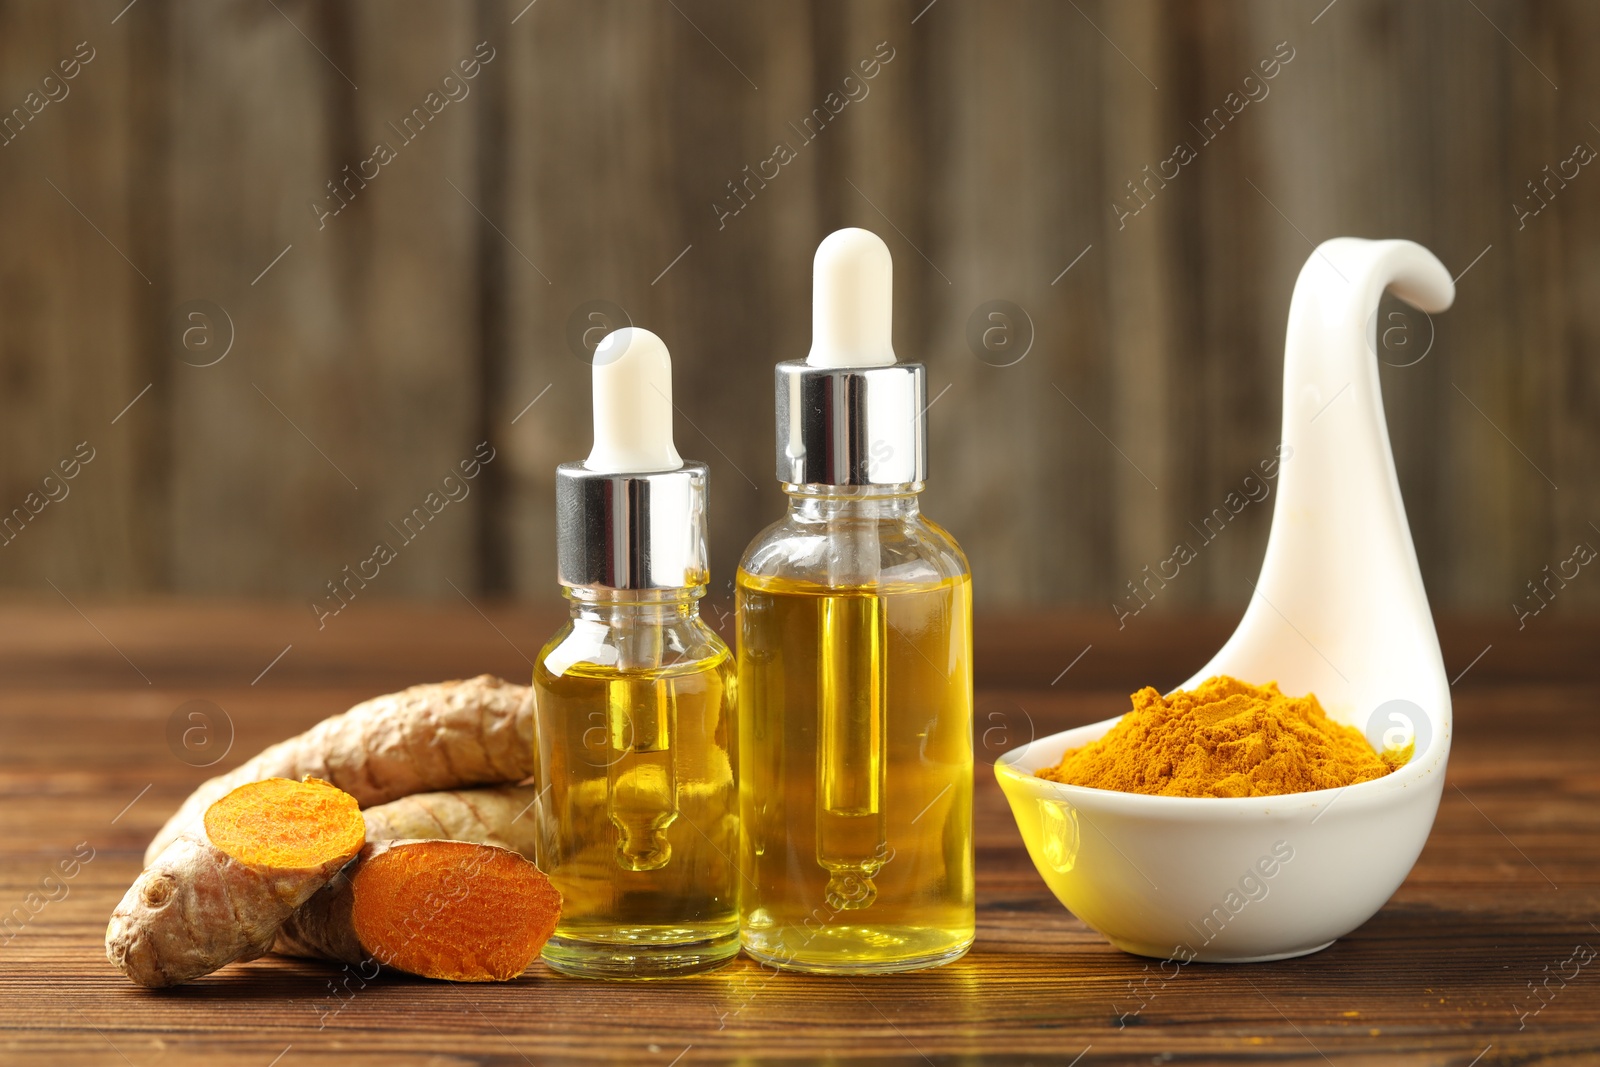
pixel 587 647
pixel 910 549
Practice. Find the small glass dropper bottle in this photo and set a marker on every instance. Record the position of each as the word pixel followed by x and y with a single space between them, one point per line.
pixel 633 698
pixel 855 662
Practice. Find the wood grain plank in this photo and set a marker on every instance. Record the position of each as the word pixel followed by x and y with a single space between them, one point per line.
pixel 1020 135
pixel 424 318
pixel 1573 381
pixel 248 163
pixel 1144 290
pixel 72 293
pixel 405 390
pixel 1438 976
pixel 356 388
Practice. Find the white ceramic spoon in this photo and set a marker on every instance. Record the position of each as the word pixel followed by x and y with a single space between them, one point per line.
pixel 1339 611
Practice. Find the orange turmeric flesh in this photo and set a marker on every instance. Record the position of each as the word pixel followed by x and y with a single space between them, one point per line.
pixel 454 910
pixel 284 825
pixel 1224 738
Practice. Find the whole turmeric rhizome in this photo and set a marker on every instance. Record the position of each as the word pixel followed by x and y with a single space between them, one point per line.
pixel 427 882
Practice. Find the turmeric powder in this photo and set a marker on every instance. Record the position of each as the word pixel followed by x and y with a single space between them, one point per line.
pixel 1224 738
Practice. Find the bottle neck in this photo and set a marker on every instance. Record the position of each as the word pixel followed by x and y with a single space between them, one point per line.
pixel 624 607
pixel 824 503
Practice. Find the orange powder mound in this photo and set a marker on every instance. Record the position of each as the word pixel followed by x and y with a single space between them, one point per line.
pixel 1225 738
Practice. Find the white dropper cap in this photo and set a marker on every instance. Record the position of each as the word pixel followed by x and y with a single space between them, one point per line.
pixel 852 296
pixel 632 405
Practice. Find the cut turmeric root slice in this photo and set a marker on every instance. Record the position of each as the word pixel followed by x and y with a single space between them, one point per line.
pixel 449 909
pixel 282 825
pixel 440 909
pixel 220 891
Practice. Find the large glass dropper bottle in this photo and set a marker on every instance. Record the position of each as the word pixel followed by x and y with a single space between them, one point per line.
pixel 633 698
pixel 855 669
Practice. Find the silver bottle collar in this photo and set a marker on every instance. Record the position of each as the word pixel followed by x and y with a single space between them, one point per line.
pixel 631 531
pixel 851 425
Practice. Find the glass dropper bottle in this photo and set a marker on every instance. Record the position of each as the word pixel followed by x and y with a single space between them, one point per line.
pixel 855 661
pixel 633 698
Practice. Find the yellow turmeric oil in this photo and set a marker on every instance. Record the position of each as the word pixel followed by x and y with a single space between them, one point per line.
pixel 637 809
pixel 855 773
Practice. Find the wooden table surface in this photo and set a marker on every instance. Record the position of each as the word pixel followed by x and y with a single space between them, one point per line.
pixel 1506 890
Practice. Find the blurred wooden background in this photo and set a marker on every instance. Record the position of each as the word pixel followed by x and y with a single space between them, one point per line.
pixel 372 350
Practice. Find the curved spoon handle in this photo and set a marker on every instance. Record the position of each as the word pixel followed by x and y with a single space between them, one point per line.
pixel 1340 607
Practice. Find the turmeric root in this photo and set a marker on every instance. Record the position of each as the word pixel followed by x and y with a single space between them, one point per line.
pixel 441 909
pixel 496 815
pixel 220 891
pixel 429 737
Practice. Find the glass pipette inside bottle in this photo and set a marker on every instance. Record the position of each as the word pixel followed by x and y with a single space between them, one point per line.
pixel 633 435
pixel 852 288
pixel 641 775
